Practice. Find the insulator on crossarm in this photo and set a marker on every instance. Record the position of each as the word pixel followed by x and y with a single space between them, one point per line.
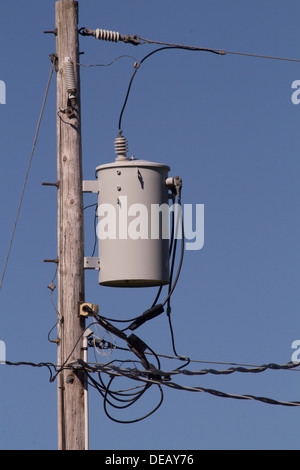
pixel 121 147
pixel 106 35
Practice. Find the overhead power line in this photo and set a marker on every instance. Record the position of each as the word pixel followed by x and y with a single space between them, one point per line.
pixel 154 377
pixel 220 51
pixel 136 40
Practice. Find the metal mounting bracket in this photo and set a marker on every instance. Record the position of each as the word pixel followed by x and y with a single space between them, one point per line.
pixel 91 263
pixel 90 186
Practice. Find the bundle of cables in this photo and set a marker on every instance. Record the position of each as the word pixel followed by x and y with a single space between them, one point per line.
pixel 124 398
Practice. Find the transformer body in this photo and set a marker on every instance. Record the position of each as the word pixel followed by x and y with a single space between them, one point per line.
pixel 133 223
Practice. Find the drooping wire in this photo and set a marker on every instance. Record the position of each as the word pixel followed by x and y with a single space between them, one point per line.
pixel 109 397
pixel 173 285
pixel 27 173
pixel 126 99
pixel 137 65
pixel 95 225
pixel 109 64
pixel 95 230
pixel 48 365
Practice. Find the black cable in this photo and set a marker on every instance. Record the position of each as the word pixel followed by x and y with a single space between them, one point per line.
pixel 95 231
pixel 90 205
pixel 158 372
pixel 154 311
pixel 95 225
pixel 109 395
pixel 170 252
pixel 140 376
pixel 136 346
pixel 171 289
pixel 170 284
pixel 131 421
pixel 157 296
pixel 160 288
pixel 48 365
pixel 188 48
pixel 219 393
pixel 126 99
pixel 128 402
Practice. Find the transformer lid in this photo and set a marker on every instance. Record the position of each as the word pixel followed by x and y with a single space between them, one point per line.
pixel 132 162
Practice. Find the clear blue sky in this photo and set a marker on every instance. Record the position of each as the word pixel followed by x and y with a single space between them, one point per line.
pixel 228 127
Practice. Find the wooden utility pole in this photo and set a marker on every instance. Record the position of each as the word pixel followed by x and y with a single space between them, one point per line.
pixel 71 405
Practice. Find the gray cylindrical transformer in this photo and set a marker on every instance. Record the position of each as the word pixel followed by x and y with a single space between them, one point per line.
pixel 133 223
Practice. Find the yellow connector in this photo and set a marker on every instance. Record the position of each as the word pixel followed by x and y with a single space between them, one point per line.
pixel 83 313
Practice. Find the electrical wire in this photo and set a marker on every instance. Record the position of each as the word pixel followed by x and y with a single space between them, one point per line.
pixel 137 66
pixel 95 230
pixel 124 398
pixel 154 376
pixel 27 173
pixel 137 40
pixel 170 251
pixel 173 245
pixel 198 361
pixel 95 225
pixel 52 287
pixel 109 64
pixel 220 51
pixel 111 369
pixel 138 375
pixel 48 365
pixel 109 397
pixel 106 392
pixel 172 286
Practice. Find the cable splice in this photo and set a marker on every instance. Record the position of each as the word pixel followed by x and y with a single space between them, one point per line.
pixel 147 315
